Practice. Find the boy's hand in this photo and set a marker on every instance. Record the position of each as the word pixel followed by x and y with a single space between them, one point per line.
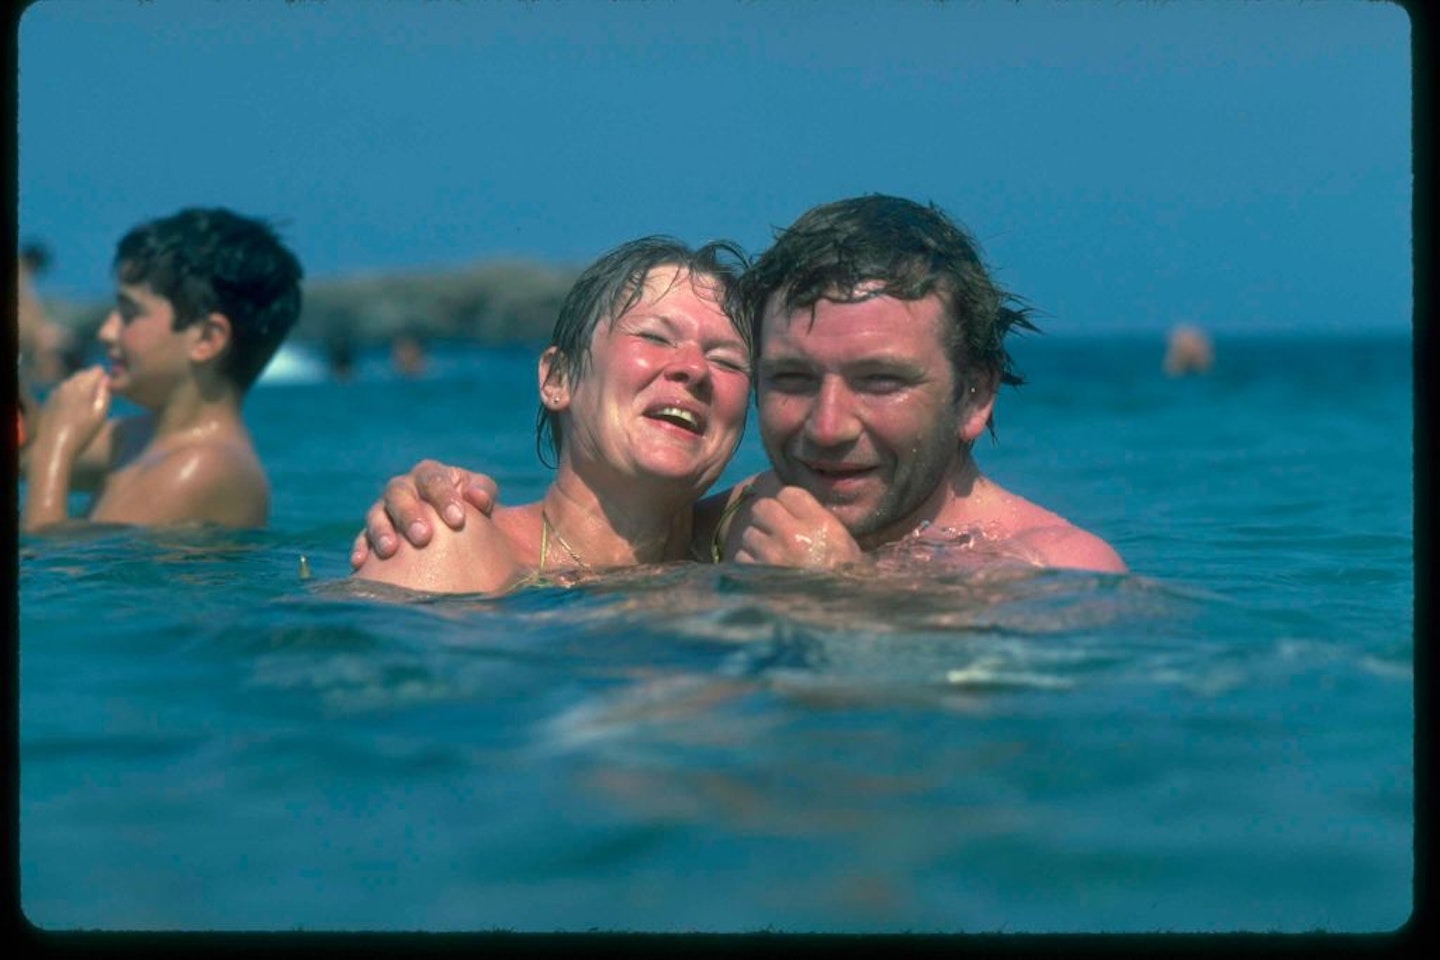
pixel 70 420
pixel 74 412
pixel 402 507
pixel 793 529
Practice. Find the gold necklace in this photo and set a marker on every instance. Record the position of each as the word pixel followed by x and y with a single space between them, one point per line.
pixel 547 530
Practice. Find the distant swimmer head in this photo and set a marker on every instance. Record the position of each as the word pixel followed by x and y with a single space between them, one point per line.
pixel 1188 351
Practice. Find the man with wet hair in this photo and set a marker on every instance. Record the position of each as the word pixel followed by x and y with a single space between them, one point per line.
pixel 203 300
pixel 880 345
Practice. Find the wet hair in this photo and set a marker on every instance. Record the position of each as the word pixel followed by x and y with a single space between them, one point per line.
pixel 35 255
pixel 910 251
pixel 212 260
pixel 614 284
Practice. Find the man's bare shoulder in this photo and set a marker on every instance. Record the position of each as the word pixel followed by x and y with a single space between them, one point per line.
pixel 1065 545
pixel 479 558
pixel 1050 539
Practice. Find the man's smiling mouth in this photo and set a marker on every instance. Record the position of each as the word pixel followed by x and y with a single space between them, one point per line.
pixel 836 471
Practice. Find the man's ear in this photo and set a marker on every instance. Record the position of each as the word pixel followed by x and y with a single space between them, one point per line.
pixel 554 384
pixel 976 405
pixel 211 337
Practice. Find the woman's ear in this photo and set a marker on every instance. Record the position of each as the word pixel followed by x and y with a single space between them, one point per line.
pixel 554 384
pixel 212 336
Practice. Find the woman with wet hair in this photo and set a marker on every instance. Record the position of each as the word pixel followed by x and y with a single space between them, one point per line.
pixel 643 394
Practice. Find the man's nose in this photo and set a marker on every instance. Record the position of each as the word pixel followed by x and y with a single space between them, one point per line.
pixel 831 420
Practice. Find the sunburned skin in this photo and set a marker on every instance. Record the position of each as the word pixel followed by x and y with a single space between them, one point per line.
pixel 672 402
pixel 982 544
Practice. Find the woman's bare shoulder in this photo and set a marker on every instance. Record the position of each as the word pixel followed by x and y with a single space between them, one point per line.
pixel 480 558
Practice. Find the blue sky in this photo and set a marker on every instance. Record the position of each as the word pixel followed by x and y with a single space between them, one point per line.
pixel 1125 165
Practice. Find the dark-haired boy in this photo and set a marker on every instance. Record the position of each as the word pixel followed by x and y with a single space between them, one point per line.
pixel 203 299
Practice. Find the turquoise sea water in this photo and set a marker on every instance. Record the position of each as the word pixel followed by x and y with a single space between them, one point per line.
pixel 1221 741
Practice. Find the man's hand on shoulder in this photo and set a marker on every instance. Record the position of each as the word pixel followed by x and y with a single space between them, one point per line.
pixel 475 559
pixel 416 503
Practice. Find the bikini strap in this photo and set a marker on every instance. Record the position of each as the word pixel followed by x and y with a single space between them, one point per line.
pixel 722 526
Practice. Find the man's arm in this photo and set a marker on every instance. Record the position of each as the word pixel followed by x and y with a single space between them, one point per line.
pixel 782 526
pixel 412 503
pixel 71 448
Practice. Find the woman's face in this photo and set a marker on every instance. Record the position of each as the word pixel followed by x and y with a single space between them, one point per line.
pixel 667 387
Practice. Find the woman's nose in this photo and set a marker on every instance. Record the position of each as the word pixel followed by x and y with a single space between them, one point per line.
pixel 687 363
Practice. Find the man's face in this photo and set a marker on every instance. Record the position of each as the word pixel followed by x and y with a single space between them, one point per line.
pixel 858 407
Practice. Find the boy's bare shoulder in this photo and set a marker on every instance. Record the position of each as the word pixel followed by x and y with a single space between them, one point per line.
pixel 206 481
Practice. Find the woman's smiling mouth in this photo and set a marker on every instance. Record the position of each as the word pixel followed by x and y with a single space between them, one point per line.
pixel 689 420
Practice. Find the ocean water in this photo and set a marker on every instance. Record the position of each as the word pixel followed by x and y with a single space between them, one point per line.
pixel 1221 741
